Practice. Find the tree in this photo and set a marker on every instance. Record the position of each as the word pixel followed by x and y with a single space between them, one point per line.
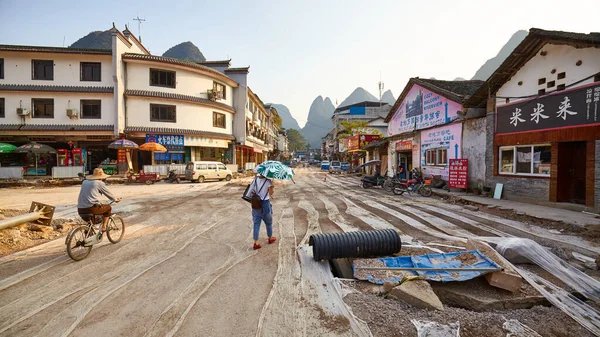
pixel 353 128
pixel 296 141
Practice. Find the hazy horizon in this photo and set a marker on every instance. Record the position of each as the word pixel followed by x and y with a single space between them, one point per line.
pixel 298 50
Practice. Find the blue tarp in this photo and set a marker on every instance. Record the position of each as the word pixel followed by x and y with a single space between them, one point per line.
pixel 463 259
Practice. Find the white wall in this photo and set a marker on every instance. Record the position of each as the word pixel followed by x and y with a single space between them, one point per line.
pixel 188 115
pixel 18 69
pixel 187 82
pixel 61 104
pixel 563 58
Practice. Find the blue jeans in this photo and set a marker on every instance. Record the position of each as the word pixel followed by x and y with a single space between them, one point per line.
pixel 263 214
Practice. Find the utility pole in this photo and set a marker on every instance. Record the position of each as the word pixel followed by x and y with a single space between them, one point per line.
pixel 139 20
pixel 380 89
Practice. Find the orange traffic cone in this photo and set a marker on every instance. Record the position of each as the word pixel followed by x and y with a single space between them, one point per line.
pixel 325 179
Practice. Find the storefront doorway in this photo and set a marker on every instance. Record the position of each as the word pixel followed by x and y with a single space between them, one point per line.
pixel 405 161
pixel 571 172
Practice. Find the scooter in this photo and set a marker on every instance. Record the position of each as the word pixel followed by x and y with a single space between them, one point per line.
pixel 416 184
pixel 173 177
pixel 370 181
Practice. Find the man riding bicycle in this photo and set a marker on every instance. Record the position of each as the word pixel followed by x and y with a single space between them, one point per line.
pixel 89 196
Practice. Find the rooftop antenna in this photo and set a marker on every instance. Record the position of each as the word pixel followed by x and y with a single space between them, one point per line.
pixel 64 37
pixel 139 20
pixel 380 88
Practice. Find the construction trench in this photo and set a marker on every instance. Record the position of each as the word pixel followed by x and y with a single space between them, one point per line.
pixel 183 273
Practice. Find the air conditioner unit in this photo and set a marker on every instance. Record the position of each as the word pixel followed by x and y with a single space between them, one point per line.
pixel 72 113
pixel 22 111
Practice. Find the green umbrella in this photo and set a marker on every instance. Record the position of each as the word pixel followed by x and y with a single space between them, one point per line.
pixel 274 170
pixel 6 148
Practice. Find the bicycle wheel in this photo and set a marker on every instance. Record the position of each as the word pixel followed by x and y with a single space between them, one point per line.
pixel 115 228
pixel 75 244
pixel 425 191
pixel 388 185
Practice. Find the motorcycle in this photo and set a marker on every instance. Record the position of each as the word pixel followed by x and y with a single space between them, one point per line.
pixel 370 181
pixel 173 177
pixel 416 184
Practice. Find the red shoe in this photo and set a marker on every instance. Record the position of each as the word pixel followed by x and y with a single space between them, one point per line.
pixel 257 246
pixel 272 239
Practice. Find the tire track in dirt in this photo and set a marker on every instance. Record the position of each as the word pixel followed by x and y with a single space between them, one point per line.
pixel 476 230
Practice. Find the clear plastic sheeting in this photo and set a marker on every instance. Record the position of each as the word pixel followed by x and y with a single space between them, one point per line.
pixel 569 304
pixel 573 277
pixel 515 328
pixel 434 329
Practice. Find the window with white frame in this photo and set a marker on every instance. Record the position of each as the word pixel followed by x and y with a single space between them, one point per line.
pixel 531 160
pixel 436 157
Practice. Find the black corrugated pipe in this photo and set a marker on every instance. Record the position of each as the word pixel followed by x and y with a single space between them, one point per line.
pixel 380 242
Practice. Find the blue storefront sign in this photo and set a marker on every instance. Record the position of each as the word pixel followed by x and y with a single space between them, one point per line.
pixel 173 143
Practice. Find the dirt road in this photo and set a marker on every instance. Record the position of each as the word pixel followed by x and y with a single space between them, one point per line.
pixel 186 266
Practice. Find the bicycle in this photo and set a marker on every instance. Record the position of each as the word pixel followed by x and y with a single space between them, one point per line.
pixel 80 239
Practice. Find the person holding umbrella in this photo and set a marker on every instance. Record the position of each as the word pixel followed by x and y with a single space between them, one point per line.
pixel 261 190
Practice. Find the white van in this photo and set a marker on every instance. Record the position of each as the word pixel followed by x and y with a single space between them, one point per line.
pixel 199 171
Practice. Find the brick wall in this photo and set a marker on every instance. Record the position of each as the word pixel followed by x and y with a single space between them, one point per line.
pixel 525 189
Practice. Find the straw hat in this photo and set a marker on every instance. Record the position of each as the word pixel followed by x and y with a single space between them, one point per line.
pixel 98 175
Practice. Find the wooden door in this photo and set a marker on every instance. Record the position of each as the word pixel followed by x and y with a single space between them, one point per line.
pixel 571 172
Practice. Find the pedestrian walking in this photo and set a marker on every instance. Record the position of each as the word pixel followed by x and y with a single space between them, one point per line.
pixel 261 190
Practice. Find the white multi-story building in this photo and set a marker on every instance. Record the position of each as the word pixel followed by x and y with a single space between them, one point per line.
pixel 87 98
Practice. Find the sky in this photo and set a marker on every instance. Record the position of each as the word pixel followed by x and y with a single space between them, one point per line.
pixel 300 49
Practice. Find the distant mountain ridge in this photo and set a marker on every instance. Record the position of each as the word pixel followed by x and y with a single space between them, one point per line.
pixel 287 120
pixel 488 68
pixel 186 51
pixel 95 40
pixel 388 97
pixel 319 122
pixel 358 95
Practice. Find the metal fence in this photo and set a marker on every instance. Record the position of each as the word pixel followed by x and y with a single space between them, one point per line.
pixel 164 169
pixel 62 172
pixel 11 172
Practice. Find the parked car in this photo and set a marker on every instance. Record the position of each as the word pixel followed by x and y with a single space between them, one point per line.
pixel 199 171
pixel 325 165
pixel 335 167
pixel 345 166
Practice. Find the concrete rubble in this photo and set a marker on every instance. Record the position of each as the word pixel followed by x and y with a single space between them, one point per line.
pixel 417 293
pixel 507 279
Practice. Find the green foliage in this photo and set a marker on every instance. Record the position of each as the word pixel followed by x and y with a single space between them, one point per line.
pixel 296 141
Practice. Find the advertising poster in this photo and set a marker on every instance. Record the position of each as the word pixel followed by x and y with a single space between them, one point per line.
pixel 422 109
pixel 446 138
pixel 459 173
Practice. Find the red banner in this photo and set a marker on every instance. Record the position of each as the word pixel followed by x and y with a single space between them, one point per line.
pixel 458 174
pixel 122 156
pixel 357 142
pixel 405 145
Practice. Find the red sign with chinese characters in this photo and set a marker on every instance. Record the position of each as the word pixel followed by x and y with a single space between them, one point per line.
pixel 458 173
pixel 122 156
pixel 357 142
pixel 404 145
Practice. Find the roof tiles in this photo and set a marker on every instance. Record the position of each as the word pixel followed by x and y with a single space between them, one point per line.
pixel 55 88
pixel 179 97
pixel 148 129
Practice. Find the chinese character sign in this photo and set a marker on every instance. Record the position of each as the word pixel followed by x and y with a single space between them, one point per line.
pixel 422 109
pixel 171 142
pixel 359 141
pixel 459 172
pixel 561 109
